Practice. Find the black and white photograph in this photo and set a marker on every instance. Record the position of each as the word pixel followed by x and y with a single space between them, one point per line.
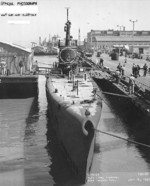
pixel 74 93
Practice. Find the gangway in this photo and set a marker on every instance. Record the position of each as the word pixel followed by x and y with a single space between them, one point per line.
pixel 43 70
pixel 46 70
pixel 90 63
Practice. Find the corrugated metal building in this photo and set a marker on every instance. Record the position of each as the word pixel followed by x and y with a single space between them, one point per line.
pixel 12 54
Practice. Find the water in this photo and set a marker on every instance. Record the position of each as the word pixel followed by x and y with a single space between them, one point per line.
pixel 30 155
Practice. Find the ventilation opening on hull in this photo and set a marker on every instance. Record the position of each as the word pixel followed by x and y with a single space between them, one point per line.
pixel 89 129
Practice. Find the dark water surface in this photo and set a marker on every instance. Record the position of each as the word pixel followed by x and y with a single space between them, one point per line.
pixel 30 155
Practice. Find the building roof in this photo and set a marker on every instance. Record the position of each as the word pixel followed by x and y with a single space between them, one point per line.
pixel 38 47
pixel 14 47
pixel 121 38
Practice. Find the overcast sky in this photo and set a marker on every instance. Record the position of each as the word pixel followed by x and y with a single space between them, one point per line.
pixel 84 14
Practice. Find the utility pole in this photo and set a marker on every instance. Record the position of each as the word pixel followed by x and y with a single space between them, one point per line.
pixel 120 39
pixel 91 38
pixel 133 31
pixel 79 37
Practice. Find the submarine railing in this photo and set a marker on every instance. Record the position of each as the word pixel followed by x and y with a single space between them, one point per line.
pixel 43 70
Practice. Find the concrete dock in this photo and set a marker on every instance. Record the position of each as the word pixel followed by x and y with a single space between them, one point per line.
pixel 104 78
pixel 18 86
pixel 112 65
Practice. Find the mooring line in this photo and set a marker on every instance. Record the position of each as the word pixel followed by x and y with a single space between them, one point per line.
pixel 102 97
pixel 125 139
pixel 113 94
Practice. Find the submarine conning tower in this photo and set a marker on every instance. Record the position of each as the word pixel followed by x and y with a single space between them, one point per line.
pixel 68 50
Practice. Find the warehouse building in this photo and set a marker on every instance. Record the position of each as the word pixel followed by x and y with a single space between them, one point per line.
pixel 106 39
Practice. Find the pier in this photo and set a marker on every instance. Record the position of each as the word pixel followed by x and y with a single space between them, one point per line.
pixel 105 78
pixel 17 77
pixel 16 86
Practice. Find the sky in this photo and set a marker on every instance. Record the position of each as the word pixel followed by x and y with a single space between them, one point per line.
pixel 83 14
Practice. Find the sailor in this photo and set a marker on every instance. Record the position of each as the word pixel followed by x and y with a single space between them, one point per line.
pixel 131 84
pixel 36 68
pixel 119 67
pixel 125 61
pixel 122 70
pixel 145 68
pixel 118 76
pixel 138 70
pixel 3 66
pixel 133 69
pixel 21 67
pixel 101 62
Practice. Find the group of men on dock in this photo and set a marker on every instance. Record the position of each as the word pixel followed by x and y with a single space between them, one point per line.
pixel 135 74
pixel 121 69
pixel 136 70
pixel 119 74
pixel 5 70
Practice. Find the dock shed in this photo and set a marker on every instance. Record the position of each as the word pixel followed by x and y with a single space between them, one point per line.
pixel 12 54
